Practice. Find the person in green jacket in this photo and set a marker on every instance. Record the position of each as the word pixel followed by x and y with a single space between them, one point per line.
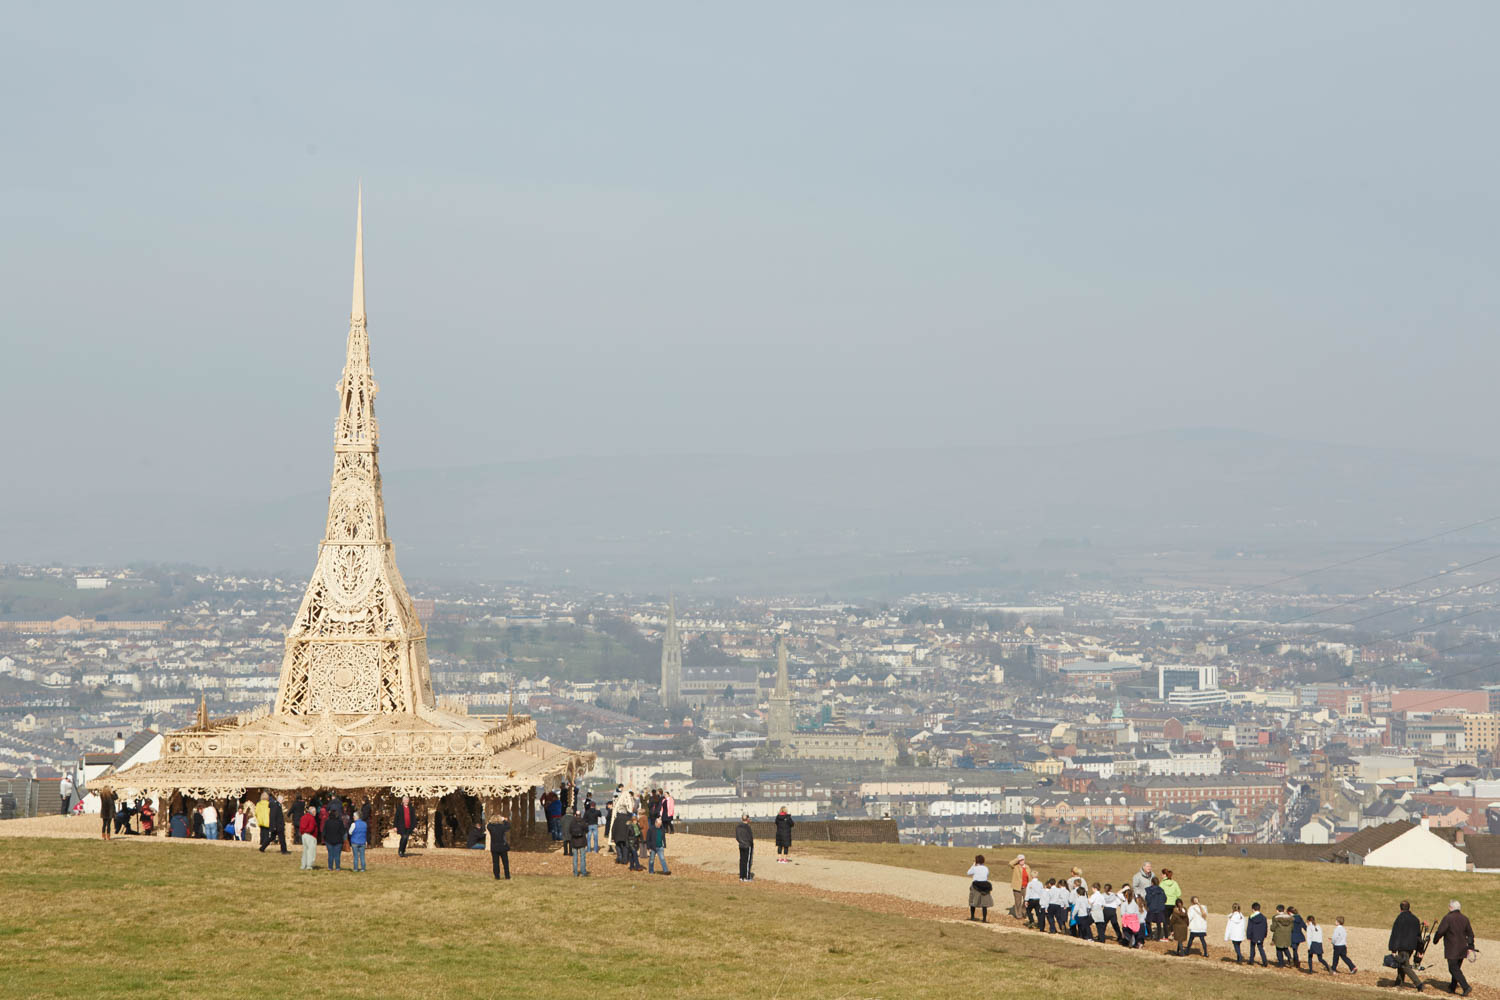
pixel 1281 935
pixel 1171 888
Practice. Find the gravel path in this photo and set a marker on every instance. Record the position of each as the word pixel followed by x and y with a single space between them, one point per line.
pixel 718 854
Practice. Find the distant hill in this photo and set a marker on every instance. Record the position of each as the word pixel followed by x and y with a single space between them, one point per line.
pixel 977 516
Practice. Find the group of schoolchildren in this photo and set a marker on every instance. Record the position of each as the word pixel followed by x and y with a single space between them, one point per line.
pixel 1288 931
pixel 1152 907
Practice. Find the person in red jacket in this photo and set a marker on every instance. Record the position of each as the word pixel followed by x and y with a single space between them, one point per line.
pixel 307 830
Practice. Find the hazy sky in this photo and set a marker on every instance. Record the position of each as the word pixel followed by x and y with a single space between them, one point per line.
pixel 618 229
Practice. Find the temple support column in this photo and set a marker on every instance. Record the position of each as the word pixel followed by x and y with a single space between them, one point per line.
pixel 431 818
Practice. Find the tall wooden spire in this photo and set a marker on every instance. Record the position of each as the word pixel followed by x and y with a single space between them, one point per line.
pixel 356 646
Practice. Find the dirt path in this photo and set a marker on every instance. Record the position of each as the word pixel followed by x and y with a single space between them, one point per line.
pixel 950 892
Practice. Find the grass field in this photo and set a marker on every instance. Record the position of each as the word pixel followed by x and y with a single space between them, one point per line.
pixel 86 919
pixel 1365 897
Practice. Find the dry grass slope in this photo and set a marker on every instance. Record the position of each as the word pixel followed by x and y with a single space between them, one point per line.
pixel 85 919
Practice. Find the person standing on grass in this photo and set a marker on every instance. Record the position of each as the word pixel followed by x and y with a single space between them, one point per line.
pixel 210 822
pixel 591 817
pixel 636 843
pixel 307 830
pixel 1034 904
pixel 1170 887
pixel 499 828
pixel 980 889
pixel 65 794
pixel 784 824
pixel 1314 943
pixel 1197 926
pixel 1234 931
pixel 1141 881
pixel 1255 933
pixel 263 819
pixel 620 833
pixel 333 838
pixel 744 838
pixel 277 823
pixel 1457 935
pixel 1156 911
pixel 1405 940
pixel 656 848
pixel 406 822
pixel 1019 876
pixel 1340 941
pixel 668 811
pixel 106 812
pixel 578 837
pixel 1281 935
pixel 359 834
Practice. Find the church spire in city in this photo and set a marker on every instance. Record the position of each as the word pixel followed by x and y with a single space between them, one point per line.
pixel 671 658
pixel 779 715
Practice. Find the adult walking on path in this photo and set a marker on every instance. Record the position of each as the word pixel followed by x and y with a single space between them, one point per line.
pixel 1019 876
pixel 578 838
pixel 980 889
pixel 784 824
pixel 1406 938
pixel 1457 935
pixel 263 819
pixel 65 794
pixel 745 838
pixel 500 845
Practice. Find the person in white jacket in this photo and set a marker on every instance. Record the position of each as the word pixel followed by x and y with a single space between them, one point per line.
pixel 1340 941
pixel 1197 926
pixel 1315 943
pixel 1234 930
pixel 1036 890
pixel 1096 912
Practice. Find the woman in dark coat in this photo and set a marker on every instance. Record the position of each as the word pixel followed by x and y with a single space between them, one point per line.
pixel 784 824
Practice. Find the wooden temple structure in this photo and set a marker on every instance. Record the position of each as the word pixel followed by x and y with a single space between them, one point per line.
pixel 355 713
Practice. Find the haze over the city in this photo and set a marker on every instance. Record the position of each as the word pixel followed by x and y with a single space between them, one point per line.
pixel 801 234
